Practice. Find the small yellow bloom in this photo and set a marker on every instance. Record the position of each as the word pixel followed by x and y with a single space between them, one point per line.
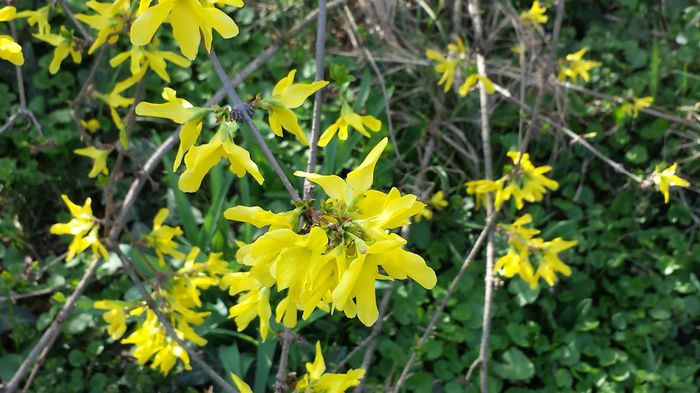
pixel 65 44
pixel 109 21
pixel 10 50
pixel 445 67
pixel 180 111
pixel 115 100
pixel 287 95
pixel 100 159
pixel 349 118
pixel 161 237
pixel 471 81
pixel 39 17
pixel 576 66
pixel 190 20
pixel 534 16
pixel 91 125
pixel 84 229
pixel 149 57
pixel 200 159
pixel 632 108
pixel 317 381
pixel 665 178
pixel 438 200
pixel 115 316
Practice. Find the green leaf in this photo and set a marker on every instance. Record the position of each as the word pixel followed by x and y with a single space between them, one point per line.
pixel 638 154
pixel 515 367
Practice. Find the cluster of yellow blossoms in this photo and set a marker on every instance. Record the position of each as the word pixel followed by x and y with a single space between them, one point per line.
pixel 327 256
pixel 84 228
pixel 178 300
pixel 526 183
pixel 523 247
pixel 448 66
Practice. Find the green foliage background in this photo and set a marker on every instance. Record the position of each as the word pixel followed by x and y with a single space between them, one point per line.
pixel 626 319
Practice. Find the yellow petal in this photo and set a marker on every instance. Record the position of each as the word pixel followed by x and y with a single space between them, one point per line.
pixel 296 94
pixel 185 28
pixel 240 385
pixel 360 179
pixel 334 186
pixel 146 24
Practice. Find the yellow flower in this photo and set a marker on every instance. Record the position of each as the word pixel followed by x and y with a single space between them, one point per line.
pixel 91 125
pixel 10 50
pixel 287 95
pixel 254 303
pixel 161 237
pixel 200 159
pixel 637 104
pixel 528 183
pixel 471 81
pixel 523 246
pixel 100 159
pixel 180 111
pixel 444 66
pixel 458 49
pixel 665 178
pixel 576 66
pixel 316 381
pixel 84 229
pixel 348 117
pixel 259 217
pixel 240 384
pixel 534 16
pixel 438 200
pixel 109 21
pixel 149 57
pixel 551 262
pixel 39 17
pixel 115 100
pixel 65 44
pixel 115 316
pixel 189 19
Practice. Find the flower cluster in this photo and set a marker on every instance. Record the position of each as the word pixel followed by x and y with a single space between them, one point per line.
pixel 330 256
pixel 665 178
pixel 448 66
pixel 161 237
pixel 316 380
pixel 437 201
pixel 83 226
pixel 178 301
pixel 575 65
pixel 535 16
pixel 523 182
pixel 631 108
pixel 524 247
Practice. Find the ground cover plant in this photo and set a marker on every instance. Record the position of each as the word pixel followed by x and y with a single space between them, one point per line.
pixel 395 196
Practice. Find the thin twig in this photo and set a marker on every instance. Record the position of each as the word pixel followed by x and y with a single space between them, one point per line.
pixel 115 176
pixel 130 270
pixel 82 94
pixel 75 21
pixel 239 106
pixel 549 66
pixel 383 314
pixel 441 306
pixel 382 85
pixel 475 13
pixel 40 292
pixel 318 97
pixel 286 338
pixel 53 330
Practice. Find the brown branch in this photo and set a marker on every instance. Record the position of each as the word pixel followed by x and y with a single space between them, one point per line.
pixel 75 21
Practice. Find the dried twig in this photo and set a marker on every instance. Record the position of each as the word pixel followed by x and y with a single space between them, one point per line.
pixel 475 13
